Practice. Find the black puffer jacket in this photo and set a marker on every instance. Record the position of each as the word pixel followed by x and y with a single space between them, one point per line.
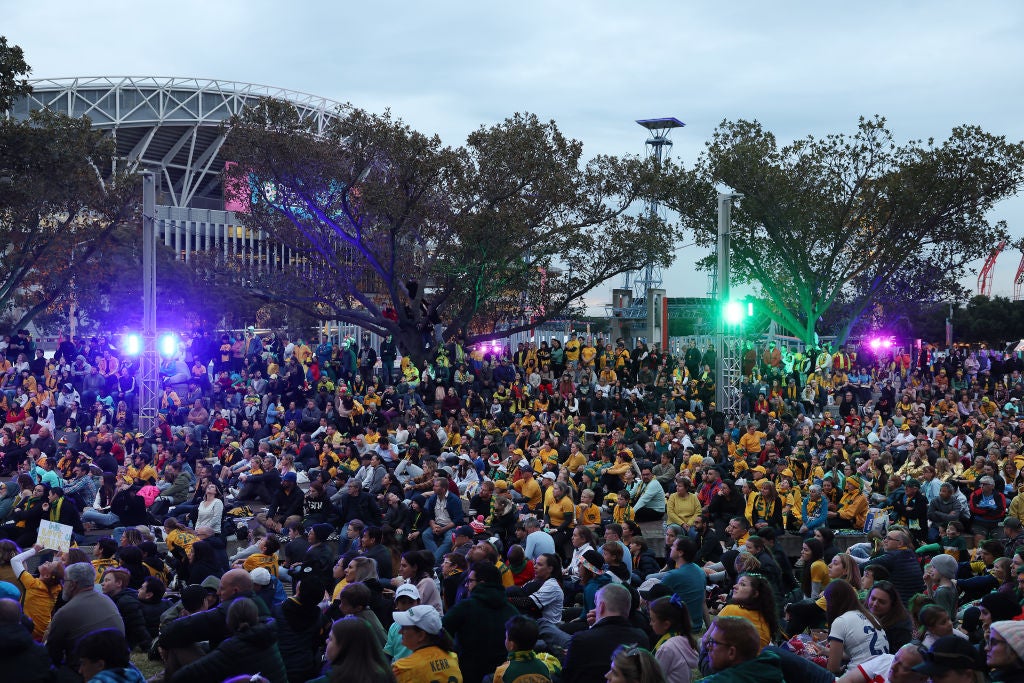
pixel 300 634
pixel 250 651
pixel 25 661
pixel 128 605
pixel 905 572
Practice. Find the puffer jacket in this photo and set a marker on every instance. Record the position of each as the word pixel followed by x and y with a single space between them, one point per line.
pixel 25 660
pixel 905 572
pixel 250 651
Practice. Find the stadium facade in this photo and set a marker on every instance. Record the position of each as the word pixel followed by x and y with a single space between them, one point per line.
pixel 173 127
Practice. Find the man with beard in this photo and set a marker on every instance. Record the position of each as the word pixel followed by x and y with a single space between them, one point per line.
pixel 85 611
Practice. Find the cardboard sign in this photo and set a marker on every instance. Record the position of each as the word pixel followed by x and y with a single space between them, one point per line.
pixel 54 536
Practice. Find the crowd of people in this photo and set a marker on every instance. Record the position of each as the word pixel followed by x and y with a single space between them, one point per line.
pixel 339 512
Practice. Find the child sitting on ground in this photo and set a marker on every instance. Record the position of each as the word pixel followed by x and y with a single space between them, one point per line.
pixel 521 635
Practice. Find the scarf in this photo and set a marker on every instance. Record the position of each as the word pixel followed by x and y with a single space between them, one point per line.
pixel 664 639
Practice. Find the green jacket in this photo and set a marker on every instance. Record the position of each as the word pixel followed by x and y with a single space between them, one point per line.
pixel 765 668
pixel 522 666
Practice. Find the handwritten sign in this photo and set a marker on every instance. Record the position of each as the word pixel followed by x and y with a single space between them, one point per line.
pixel 54 536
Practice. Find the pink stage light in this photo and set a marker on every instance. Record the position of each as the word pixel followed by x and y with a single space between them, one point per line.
pixel 875 343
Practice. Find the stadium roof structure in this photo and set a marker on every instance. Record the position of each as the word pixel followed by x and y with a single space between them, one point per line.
pixel 170 125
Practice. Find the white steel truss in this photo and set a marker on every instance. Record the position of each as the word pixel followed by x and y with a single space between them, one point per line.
pixel 171 125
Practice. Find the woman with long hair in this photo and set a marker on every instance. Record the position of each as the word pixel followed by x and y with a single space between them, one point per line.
pixel 752 599
pixel 885 604
pixel 416 567
pixel 211 508
pixel 631 664
pixel 676 648
pixel 352 654
pixel 40 593
pixel 8 550
pixel 815 574
pixel 855 634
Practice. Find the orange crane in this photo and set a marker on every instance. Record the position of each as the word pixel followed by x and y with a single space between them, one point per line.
pixel 1018 280
pixel 985 276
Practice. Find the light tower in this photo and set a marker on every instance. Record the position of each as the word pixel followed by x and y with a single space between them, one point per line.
pixel 631 308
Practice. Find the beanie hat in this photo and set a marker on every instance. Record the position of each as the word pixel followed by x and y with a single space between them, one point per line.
pixel 945 565
pixel 1002 607
pixel 1012 632
pixel 322 532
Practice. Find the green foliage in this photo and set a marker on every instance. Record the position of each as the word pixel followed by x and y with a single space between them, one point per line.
pixel 13 72
pixel 996 321
pixel 510 229
pixel 846 222
pixel 60 202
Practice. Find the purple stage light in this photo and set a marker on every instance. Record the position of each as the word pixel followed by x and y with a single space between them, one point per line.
pixel 875 343
pixel 168 344
pixel 887 343
pixel 133 344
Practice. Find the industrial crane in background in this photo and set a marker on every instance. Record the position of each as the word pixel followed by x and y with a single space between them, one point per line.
pixel 985 275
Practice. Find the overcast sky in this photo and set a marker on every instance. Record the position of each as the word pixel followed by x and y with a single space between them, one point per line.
pixel 594 67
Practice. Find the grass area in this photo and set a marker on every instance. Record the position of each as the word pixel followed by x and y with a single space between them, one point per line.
pixel 148 668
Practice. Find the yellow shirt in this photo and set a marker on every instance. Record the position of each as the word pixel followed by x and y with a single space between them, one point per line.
pixel 39 601
pixel 558 510
pixel 572 350
pixel 591 516
pixel 181 539
pixel 101 565
pixel 683 509
pixel 260 560
pixel 530 489
pixel 428 665
pixel 576 462
pixel 754 617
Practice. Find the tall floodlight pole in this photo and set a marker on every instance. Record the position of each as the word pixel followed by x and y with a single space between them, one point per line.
pixel 149 371
pixel 726 401
pixel 657 145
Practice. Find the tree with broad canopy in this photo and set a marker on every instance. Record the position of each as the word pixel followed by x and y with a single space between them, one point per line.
pixel 401 235
pixel 60 200
pixel 846 222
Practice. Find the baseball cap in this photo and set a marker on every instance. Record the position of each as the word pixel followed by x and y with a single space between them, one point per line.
pixel 289 476
pixel 950 653
pixel 550 475
pixel 211 583
pixel 423 617
pixel 464 530
pixel 407 590
pixel 260 576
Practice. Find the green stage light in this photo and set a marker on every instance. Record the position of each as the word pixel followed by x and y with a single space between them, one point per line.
pixel 733 312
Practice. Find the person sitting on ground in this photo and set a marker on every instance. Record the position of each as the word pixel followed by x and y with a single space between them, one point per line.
pixel 521 635
pixel 251 647
pixel 84 611
pixel 584 659
pixel 105 656
pixel 26 661
pixel 115 586
pixel 432 648
pixel 477 623
pixel 354 601
pixel 733 645
pixel 676 648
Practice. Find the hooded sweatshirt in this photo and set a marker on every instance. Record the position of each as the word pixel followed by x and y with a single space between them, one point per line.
pixel 478 626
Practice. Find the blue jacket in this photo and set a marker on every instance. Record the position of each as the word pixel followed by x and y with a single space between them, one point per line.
pixel 452 503
pixel 818 520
